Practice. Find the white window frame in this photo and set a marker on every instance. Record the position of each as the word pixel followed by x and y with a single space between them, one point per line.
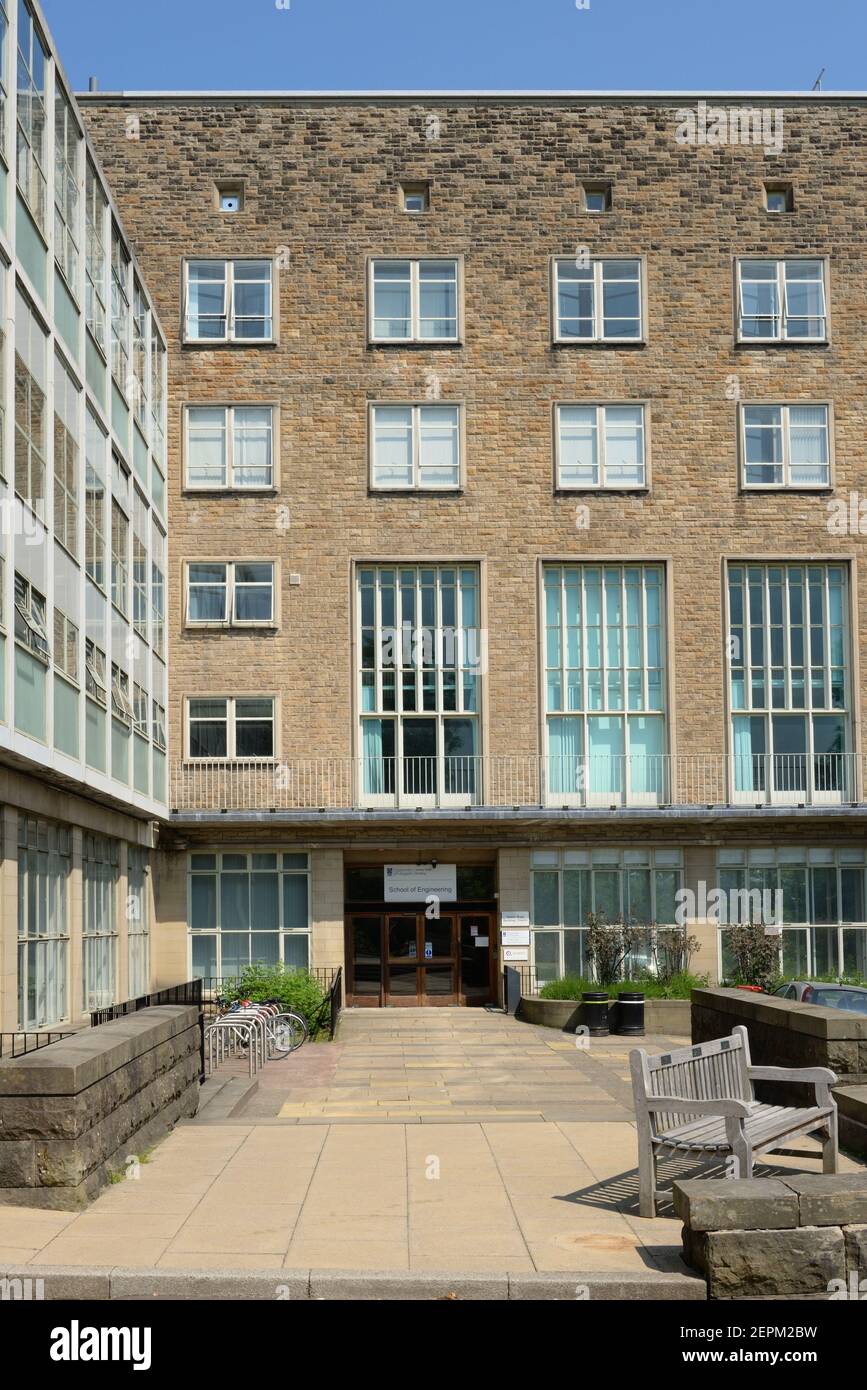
pixel 140 711
pixel 32 608
pixel 230 586
pixel 231 723
pixel 414 335
pixel 47 850
pixel 159 726
pixel 598 263
pixel 217 929
pixel 782 316
pixel 94 673
pixel 418 483
pixel 785 408
pixel 230 335
pixel 121 705
pixel 65 647
pixel 602 484
pixel 99 877
pixel 230 430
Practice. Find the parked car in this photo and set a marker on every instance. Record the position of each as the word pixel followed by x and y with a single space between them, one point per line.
pixel 852 998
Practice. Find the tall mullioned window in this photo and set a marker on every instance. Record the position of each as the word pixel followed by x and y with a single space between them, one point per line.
pixel 44 867
pixel 140 373
pixel 94 501
pixel 67 144
pixel 821 894
pixel 247 908
pixel 788 652
pixel 605 682
pixel 31 414
pixel 32 61
pixel 569 885
pixel 138 920
pixel 420 640
pixel 67 484
pixel 95 258
pixel 4 70
pixel 99 924
pixel 120 313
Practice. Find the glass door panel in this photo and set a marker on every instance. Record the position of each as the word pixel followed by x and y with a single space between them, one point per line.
pixel 365 954
pixel 475 958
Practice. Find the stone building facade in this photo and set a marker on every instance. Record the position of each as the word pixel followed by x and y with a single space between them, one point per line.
pixel 570 369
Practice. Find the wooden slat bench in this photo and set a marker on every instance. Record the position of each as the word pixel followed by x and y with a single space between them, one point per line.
pixel 700 1100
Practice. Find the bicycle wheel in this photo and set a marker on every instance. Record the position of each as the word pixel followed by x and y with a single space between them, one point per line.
pixel 288 1032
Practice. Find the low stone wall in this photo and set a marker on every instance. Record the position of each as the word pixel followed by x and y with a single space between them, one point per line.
pixel 803 1236
pixel 72 1113
pixel 852 1117
pixel 668 1016
pixel 785 1034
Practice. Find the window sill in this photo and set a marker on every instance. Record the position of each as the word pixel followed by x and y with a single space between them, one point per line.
pixel 588 490
pixel 415 491
pixel 269 490
pixel 271 627
pixel 598 342
pixel 769 489
pixel 783 342
pixel 230 762
pixel 203 343
pixel 416 343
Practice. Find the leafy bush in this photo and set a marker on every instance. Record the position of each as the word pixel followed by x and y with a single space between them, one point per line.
pixel 756 956
pixel 295 990
pixel 608 944
pixel 672 949
pixel 677 986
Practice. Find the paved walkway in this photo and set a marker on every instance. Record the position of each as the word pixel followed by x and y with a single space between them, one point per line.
pixel 443 1140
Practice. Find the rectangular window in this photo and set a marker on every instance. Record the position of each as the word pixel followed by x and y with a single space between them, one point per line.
pixel 816 894
pixel 140 711
pixel 65 645
pixel 605 683
pixel 119 559
pixel 237 594
pixel 32 63
pixel 159 726
pixel 99 924
pixel 782 301
pixel 4 72
pixel 94 673
pixel 422 656
pixel 44 867
pixel 140 521
pixel 788 651
pixel 120 313
pixel 96 207
pixel 246 909
pixel 140 374
pixel 600 446
pixel 416 447
pixel 158 395
pixel 67 399
pixel 229 301
pixel 638 886
pixel 231 728
pixel 158 589
pixel 597 302
pixel 31 625
pixel 138 920
pixel 785 446
pixel 230 447
pixel 31 415
pixel 121 705
pixel 414 301
pixel 67 144
pixel 94 501
pixel 596 197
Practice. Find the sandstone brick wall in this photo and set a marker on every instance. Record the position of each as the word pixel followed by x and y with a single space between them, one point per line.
pixel 321 180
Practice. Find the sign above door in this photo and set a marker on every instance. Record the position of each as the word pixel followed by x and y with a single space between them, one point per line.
pixel 414 883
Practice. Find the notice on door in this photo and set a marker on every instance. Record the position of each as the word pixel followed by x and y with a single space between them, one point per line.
pixel 415 883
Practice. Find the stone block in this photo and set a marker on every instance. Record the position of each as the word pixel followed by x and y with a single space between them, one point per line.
pixel 743 1204
pixel 17 1163
pixel 856 1250
pixel 740 1264
pixel 832 1199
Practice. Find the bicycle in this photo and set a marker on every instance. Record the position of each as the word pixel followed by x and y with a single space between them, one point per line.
pixel 284 1030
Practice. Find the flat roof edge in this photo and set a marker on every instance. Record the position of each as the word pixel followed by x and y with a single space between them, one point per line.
pixel 471 95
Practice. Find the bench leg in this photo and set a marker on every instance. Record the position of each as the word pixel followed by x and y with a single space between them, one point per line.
pixel 646 1178
pixel 829 1146
pixel 740 1146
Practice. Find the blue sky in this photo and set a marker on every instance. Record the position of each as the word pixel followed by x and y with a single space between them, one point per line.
pixel 424 44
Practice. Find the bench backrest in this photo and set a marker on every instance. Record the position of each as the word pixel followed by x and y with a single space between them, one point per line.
pixel 714 1070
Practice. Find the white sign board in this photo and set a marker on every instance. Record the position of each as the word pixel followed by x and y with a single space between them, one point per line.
pixel 414 883
pixel 515 936
pixel 516 953
pixel 514 919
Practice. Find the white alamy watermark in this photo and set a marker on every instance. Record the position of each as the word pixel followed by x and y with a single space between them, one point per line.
pixel 728 907
pixel 847 516
pixel 425 647
pixel 730 125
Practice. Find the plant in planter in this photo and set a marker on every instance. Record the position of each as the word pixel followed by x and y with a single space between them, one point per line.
pixel 672 949
pixel 756 955
pixel 608 944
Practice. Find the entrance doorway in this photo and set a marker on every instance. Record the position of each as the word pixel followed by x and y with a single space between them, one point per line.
pixel 405 959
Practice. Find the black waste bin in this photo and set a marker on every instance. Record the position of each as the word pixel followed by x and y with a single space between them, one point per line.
pixel 629 1013
pixel 595 1006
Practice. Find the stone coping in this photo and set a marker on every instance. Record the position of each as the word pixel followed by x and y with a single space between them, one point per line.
pixel 73 1064
pixel 772 1204
pixel 782 1013
pixel 660 1015
pixel 61 1282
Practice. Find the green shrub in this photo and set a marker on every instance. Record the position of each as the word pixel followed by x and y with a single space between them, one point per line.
pixel 678 986
pixel 295 989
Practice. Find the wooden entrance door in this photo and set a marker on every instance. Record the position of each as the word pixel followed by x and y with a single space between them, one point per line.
pixel 421 967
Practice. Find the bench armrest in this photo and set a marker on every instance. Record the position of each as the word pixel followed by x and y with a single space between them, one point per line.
pixel 821 1077
pixel 676 1105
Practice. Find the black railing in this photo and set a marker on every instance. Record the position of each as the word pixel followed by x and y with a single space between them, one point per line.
pixel 19 1044
pixel 335 1001
pixel 188 993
